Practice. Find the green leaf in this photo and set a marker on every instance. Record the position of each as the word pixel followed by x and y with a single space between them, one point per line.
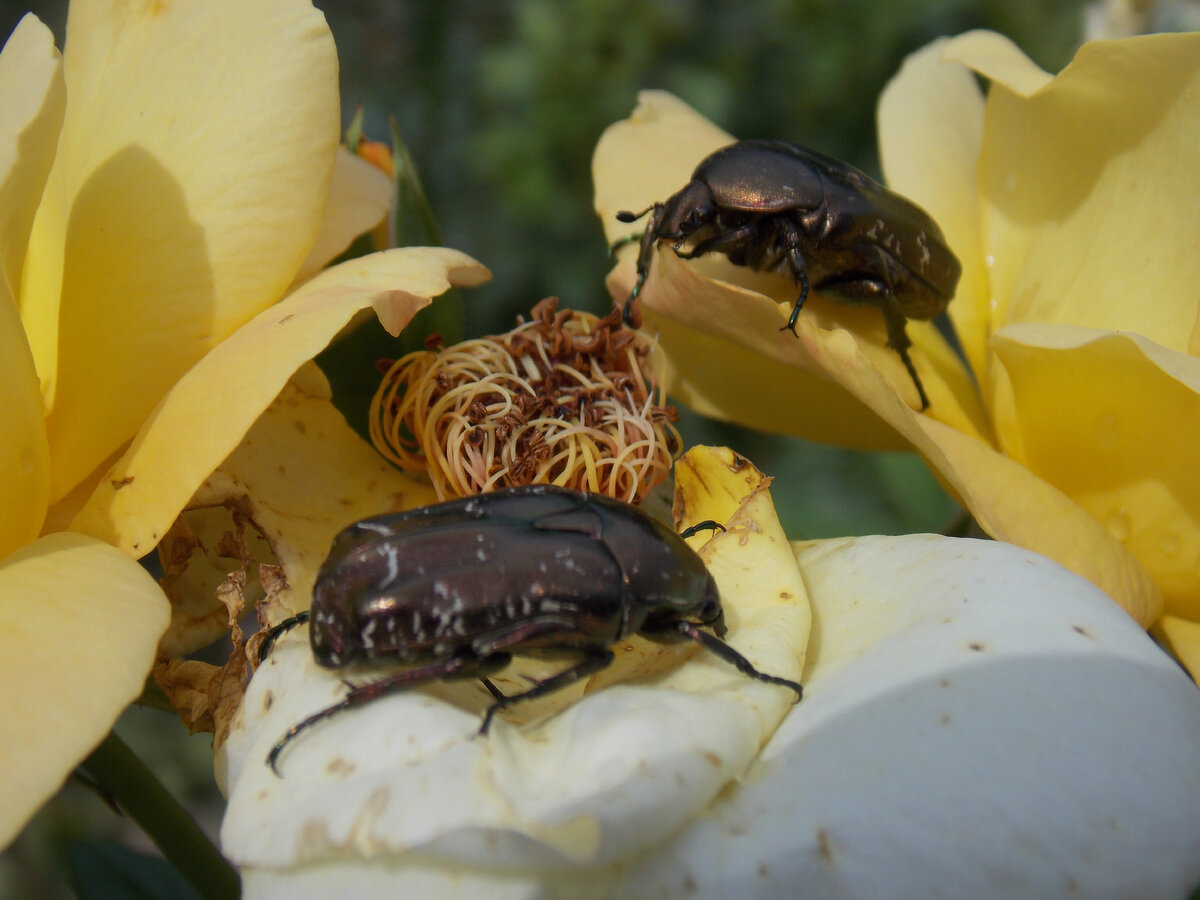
pixel 102 870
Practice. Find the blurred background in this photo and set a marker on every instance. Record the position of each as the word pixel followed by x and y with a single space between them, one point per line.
pixel 501 104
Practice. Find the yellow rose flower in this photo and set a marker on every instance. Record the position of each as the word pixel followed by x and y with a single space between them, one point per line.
pixel 161 187
pixel 1070 429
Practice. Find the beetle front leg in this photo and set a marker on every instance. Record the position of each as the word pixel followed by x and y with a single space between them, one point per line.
pixel 274 632
pixel 594 661
pixel 723 242
pixel 715 645
pixel 465 666
pixel 645 251
pixel 790 238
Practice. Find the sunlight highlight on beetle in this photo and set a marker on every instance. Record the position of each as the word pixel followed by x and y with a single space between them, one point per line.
pixel 566 399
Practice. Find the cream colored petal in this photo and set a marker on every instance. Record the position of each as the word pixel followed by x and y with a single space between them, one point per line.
pixel 24 453
pixel 191 174
pixel 1088 182
pixel 948 675
pixel 1113 421
pixel 31 84
pixel 203 418
pixel 952 675
pixel 359 197
pixel 615 772
pixel 930 119
pixel 79 622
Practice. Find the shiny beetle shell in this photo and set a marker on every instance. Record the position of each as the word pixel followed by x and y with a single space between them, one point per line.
pixel 776 206
pixel 454 590
pixel 576 570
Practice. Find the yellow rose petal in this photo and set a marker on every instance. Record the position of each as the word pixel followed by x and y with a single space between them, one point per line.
pixel 930 130
pixel 24 454
pixel 189 182
pixel 649 156
pixel 1012 504
pixel 1183 638
pixel 1079 178
pixel 359 197
pixel 730 360
pixel 31 84
pixel 79 622
pixel 996 57
pixel 711 483
pixel 144 491
pixel 1113 421
pixel 303 474
pixel 762 591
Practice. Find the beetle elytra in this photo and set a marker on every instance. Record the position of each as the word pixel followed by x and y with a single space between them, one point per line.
pixel 454 590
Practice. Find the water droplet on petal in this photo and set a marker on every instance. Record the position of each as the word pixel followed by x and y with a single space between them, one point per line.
pixel 1170 543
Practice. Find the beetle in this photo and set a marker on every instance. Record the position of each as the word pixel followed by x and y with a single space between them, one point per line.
pixel 455 589
pixel 777 206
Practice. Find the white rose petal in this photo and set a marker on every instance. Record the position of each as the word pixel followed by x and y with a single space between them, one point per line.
pixel 978 722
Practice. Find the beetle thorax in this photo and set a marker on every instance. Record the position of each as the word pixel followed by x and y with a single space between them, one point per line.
pixel 687 212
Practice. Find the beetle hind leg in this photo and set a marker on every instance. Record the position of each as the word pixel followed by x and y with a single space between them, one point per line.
pixel 464 666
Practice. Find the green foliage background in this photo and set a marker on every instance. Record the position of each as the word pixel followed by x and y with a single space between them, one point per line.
pixel 501 104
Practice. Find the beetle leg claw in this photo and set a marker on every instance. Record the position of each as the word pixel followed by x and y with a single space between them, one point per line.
pixel 802 280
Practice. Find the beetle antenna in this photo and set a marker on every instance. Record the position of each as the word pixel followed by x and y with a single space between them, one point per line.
pixel 731 656
pixel 626 216
pixel 286 625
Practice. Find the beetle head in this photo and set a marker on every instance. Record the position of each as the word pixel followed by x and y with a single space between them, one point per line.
pixel 711 612
pixel 687 212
